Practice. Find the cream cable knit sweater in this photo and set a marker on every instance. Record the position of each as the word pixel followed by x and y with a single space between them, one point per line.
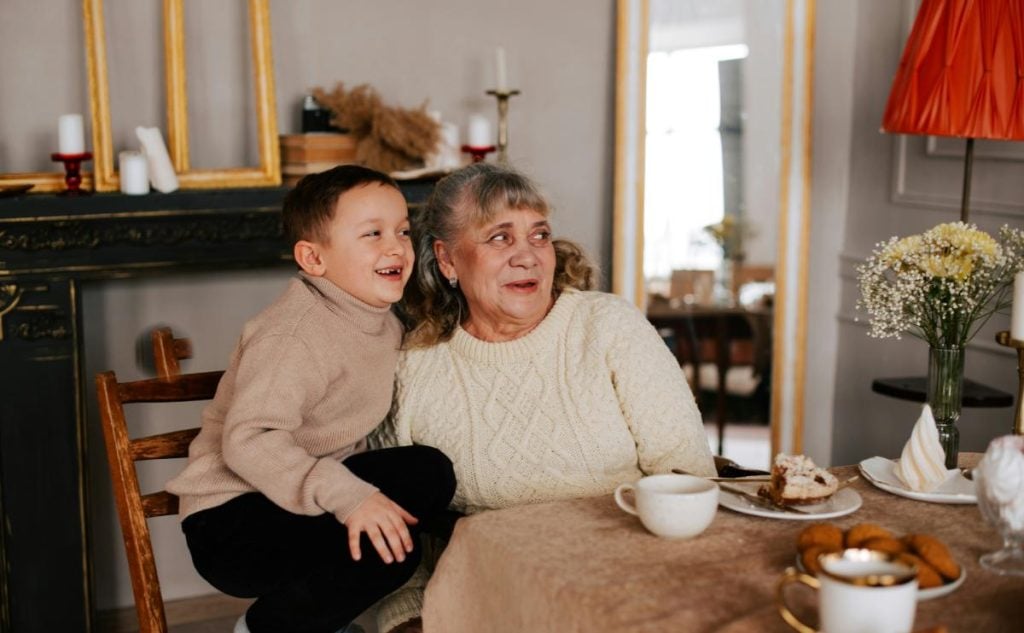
pixel 589 399
pixel 312 375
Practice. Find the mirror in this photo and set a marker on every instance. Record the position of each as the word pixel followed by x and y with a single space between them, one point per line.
pixel 713 129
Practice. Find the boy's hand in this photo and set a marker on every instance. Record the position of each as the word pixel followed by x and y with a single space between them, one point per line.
pixel 384 522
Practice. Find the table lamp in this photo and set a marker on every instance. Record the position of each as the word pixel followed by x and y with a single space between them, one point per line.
pixel 962 75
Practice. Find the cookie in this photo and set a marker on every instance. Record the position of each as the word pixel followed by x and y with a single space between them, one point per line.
pixel 820 534
pixel 927 577
pixel 935 553
pixel 858 534
pixel 809 558
pixel 885 544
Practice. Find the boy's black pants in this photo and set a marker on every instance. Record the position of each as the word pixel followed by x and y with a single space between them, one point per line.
pixel 299 567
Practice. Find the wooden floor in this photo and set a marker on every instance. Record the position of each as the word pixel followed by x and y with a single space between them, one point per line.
pixel 219 625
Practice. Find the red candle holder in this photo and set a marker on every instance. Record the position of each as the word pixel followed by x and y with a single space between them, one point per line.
pixel 72 172
pixel 478 152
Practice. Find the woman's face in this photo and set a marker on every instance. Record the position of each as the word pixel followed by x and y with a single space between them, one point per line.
pixel 505 268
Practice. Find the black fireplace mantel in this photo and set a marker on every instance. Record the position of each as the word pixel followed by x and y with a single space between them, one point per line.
pixel 48 246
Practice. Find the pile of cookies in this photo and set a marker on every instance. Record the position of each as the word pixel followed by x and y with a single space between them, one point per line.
pixel 934 563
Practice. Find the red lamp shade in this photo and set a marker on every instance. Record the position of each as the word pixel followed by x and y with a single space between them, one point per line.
pixel 962 72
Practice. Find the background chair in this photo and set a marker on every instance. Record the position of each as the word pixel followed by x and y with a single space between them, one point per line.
pixel 134 507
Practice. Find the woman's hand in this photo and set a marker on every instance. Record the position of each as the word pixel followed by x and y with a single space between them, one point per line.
pixel 384 522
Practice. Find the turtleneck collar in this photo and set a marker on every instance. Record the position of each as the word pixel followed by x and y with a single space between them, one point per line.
pixel 537 340
pixel 367 318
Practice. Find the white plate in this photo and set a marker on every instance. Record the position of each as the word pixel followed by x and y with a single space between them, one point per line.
pixel 922 594
pixel 841 503
pixel 881 472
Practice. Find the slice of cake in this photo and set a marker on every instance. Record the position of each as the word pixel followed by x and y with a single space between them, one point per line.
pixel 796 480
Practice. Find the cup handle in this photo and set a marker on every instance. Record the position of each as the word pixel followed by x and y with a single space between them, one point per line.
pixel 628 506
pixel 792 575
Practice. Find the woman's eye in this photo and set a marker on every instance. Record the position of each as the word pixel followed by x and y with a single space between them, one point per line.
pixel 500 237
pixel 372 234
pixel 541 236
pixel 405 232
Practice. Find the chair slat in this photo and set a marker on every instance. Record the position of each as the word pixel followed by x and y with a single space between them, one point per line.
pixel 163 446
pixel 183 388
pixel 159 504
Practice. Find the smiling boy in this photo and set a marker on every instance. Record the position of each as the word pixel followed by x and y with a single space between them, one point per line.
pixel 280 498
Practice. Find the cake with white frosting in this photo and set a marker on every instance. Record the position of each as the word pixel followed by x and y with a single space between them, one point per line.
pixel 796 480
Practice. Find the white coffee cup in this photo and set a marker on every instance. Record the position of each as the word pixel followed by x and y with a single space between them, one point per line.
pixel 859 591
pixel 673 506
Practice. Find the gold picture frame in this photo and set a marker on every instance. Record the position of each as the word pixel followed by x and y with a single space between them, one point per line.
pixel 105 177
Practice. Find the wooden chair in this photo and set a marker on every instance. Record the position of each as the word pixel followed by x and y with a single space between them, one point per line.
pixel 133 507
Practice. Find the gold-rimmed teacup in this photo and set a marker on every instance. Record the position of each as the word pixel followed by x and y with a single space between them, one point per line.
pixel 859 591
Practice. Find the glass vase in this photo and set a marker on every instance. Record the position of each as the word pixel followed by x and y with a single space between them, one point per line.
pixel 945 389
pixel 723 293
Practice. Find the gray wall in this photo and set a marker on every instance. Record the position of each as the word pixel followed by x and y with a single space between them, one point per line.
pixel 560 55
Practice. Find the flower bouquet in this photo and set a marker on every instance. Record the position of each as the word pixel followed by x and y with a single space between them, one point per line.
pixel 941 286
pixel 729 234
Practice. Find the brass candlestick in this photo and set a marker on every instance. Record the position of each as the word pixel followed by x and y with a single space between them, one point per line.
pixel 1003 338
pixel 503 96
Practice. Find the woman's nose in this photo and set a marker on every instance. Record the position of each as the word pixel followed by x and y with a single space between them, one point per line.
pixel 523 255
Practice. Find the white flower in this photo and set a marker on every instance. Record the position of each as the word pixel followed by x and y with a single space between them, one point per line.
pixel 941 285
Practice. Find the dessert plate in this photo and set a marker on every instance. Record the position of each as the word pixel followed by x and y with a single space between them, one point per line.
pixel 881 472
pixel 922 594
pixel 841 503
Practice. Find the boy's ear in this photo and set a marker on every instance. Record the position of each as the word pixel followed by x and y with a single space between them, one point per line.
pixel 307 256
pixel 444 259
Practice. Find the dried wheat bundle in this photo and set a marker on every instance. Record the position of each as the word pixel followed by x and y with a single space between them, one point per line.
pixel 388 138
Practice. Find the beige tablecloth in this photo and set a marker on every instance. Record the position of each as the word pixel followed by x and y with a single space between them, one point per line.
pixel 584 565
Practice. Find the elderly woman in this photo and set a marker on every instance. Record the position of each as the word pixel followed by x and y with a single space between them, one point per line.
pixel 536 387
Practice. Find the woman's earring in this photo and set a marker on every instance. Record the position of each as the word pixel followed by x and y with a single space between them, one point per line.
pixel 453 282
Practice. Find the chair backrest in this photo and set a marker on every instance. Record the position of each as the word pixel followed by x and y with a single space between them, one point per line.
pixel 169 351
pixel 134 507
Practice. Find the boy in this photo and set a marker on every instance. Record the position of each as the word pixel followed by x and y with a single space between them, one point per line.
pixel 278 479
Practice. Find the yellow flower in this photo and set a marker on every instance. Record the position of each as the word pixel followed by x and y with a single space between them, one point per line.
pixel 952 265
pixel 903 250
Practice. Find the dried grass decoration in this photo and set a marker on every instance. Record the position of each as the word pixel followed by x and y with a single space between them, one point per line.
pixel 387 138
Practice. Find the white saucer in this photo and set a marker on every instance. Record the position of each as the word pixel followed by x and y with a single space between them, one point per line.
pixel 922 594
pixel 881 472
pixel 841 503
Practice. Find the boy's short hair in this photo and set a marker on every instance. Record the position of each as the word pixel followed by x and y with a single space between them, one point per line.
pixel 309 207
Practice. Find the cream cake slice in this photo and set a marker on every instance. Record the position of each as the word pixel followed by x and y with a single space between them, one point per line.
pixel 795 480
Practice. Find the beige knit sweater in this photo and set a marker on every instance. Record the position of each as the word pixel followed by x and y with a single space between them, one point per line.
pixel 310 377
pixel 589 399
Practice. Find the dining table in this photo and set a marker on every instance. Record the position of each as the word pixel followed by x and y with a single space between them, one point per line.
pixel 584 565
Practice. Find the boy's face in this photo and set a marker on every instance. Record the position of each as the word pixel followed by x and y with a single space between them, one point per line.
pixel 369 253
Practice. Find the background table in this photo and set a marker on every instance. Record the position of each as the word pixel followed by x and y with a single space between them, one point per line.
pixel 735 335
pixel 584 565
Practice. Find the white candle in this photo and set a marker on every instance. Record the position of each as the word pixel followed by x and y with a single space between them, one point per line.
pixel 479 131
pixel 161 171
pixel 71 134
pixel 502 71
pixel 1017 312
pixel 134 173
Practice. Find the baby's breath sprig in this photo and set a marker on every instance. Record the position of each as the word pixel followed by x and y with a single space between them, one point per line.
pixel 941 286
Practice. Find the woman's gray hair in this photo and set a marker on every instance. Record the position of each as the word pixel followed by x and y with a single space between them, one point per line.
pixel 471 196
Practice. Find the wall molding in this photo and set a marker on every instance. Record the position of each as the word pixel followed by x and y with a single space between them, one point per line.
pixel 948 147
pixel 902 194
